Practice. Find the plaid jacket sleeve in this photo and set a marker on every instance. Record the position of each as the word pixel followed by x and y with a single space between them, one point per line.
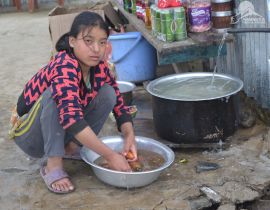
pixel 65 92
pixel 120 111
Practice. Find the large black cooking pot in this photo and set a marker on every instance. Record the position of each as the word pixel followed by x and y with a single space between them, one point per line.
pixel 195 116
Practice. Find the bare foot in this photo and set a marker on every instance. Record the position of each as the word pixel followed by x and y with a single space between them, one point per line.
pixel 63 184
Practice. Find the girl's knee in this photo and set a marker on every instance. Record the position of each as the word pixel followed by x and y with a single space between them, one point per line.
pixel 108 95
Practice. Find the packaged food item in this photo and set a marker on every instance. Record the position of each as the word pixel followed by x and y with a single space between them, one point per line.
pixel 166 18
pixel 180 32
pixel 147 18
pixel 221 21
pixel 221 5
pixel 199 15
pixel 153 19
pixel 130 6
pixel 126 5
pixel 169 24
pixel 158 23
pixel 168 3
pixel 140 9
pixel 221 15
pixel 133 7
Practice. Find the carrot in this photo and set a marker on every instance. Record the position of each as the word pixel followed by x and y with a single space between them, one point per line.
pixel 130 155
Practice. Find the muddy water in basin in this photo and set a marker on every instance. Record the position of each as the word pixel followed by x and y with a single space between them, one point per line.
pixel 147 161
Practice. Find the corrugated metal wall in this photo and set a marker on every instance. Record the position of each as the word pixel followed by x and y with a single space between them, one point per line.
pixel 249 56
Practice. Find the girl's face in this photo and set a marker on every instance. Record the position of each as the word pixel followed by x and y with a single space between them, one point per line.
pixel 89 46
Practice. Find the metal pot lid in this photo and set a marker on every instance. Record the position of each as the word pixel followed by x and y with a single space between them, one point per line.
pixel 197 86
pixel 220 1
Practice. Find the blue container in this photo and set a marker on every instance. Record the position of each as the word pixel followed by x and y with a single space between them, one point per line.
pixel 134 58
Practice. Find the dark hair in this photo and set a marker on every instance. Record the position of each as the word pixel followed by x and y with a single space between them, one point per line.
pixel 81 22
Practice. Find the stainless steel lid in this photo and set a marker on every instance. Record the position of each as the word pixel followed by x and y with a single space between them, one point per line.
pixel 189 86
pixel 220 1
pixel 221 13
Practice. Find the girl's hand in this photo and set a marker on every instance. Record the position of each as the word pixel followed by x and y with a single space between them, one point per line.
pixel 130 149
pixel 115 160
pixel 118 162
pixel 130 143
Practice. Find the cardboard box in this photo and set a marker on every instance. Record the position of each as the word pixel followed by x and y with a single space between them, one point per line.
pixel 61 18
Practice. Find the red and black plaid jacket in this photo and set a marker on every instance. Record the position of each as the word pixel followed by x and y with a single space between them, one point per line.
pixel 64 78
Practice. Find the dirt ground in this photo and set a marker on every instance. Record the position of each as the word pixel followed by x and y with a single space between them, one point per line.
pixel 245 165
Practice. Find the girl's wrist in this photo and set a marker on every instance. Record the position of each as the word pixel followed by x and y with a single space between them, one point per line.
pixel 108 155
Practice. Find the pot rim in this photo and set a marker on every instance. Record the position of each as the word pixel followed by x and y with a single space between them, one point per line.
pixel 149 87
pixel 130 85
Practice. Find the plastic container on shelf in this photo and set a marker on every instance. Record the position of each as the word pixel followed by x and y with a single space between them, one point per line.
pixel 221 15
pixel 221 21
pixel 147 19
pixel 199 15
pixel 169 24
pixel 134 58
pixel 221 5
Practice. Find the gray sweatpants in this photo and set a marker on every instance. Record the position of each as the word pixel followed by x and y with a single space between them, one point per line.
pixel 46 137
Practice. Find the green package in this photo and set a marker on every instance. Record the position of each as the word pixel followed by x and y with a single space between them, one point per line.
pixel 167 31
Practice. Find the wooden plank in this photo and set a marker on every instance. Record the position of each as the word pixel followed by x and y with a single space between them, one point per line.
pixel 190 54
pixel 161 47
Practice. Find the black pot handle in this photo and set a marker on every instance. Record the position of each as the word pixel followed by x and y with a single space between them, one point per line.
pixel 248 30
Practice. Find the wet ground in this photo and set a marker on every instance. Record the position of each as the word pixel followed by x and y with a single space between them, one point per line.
pixel 244 174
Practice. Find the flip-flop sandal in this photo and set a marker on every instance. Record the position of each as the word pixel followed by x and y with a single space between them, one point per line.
pixel 53 176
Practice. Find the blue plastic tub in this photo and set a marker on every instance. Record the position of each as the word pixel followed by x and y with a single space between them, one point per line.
pixel 134 58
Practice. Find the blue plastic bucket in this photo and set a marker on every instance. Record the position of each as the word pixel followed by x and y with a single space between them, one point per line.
pixel 134 58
